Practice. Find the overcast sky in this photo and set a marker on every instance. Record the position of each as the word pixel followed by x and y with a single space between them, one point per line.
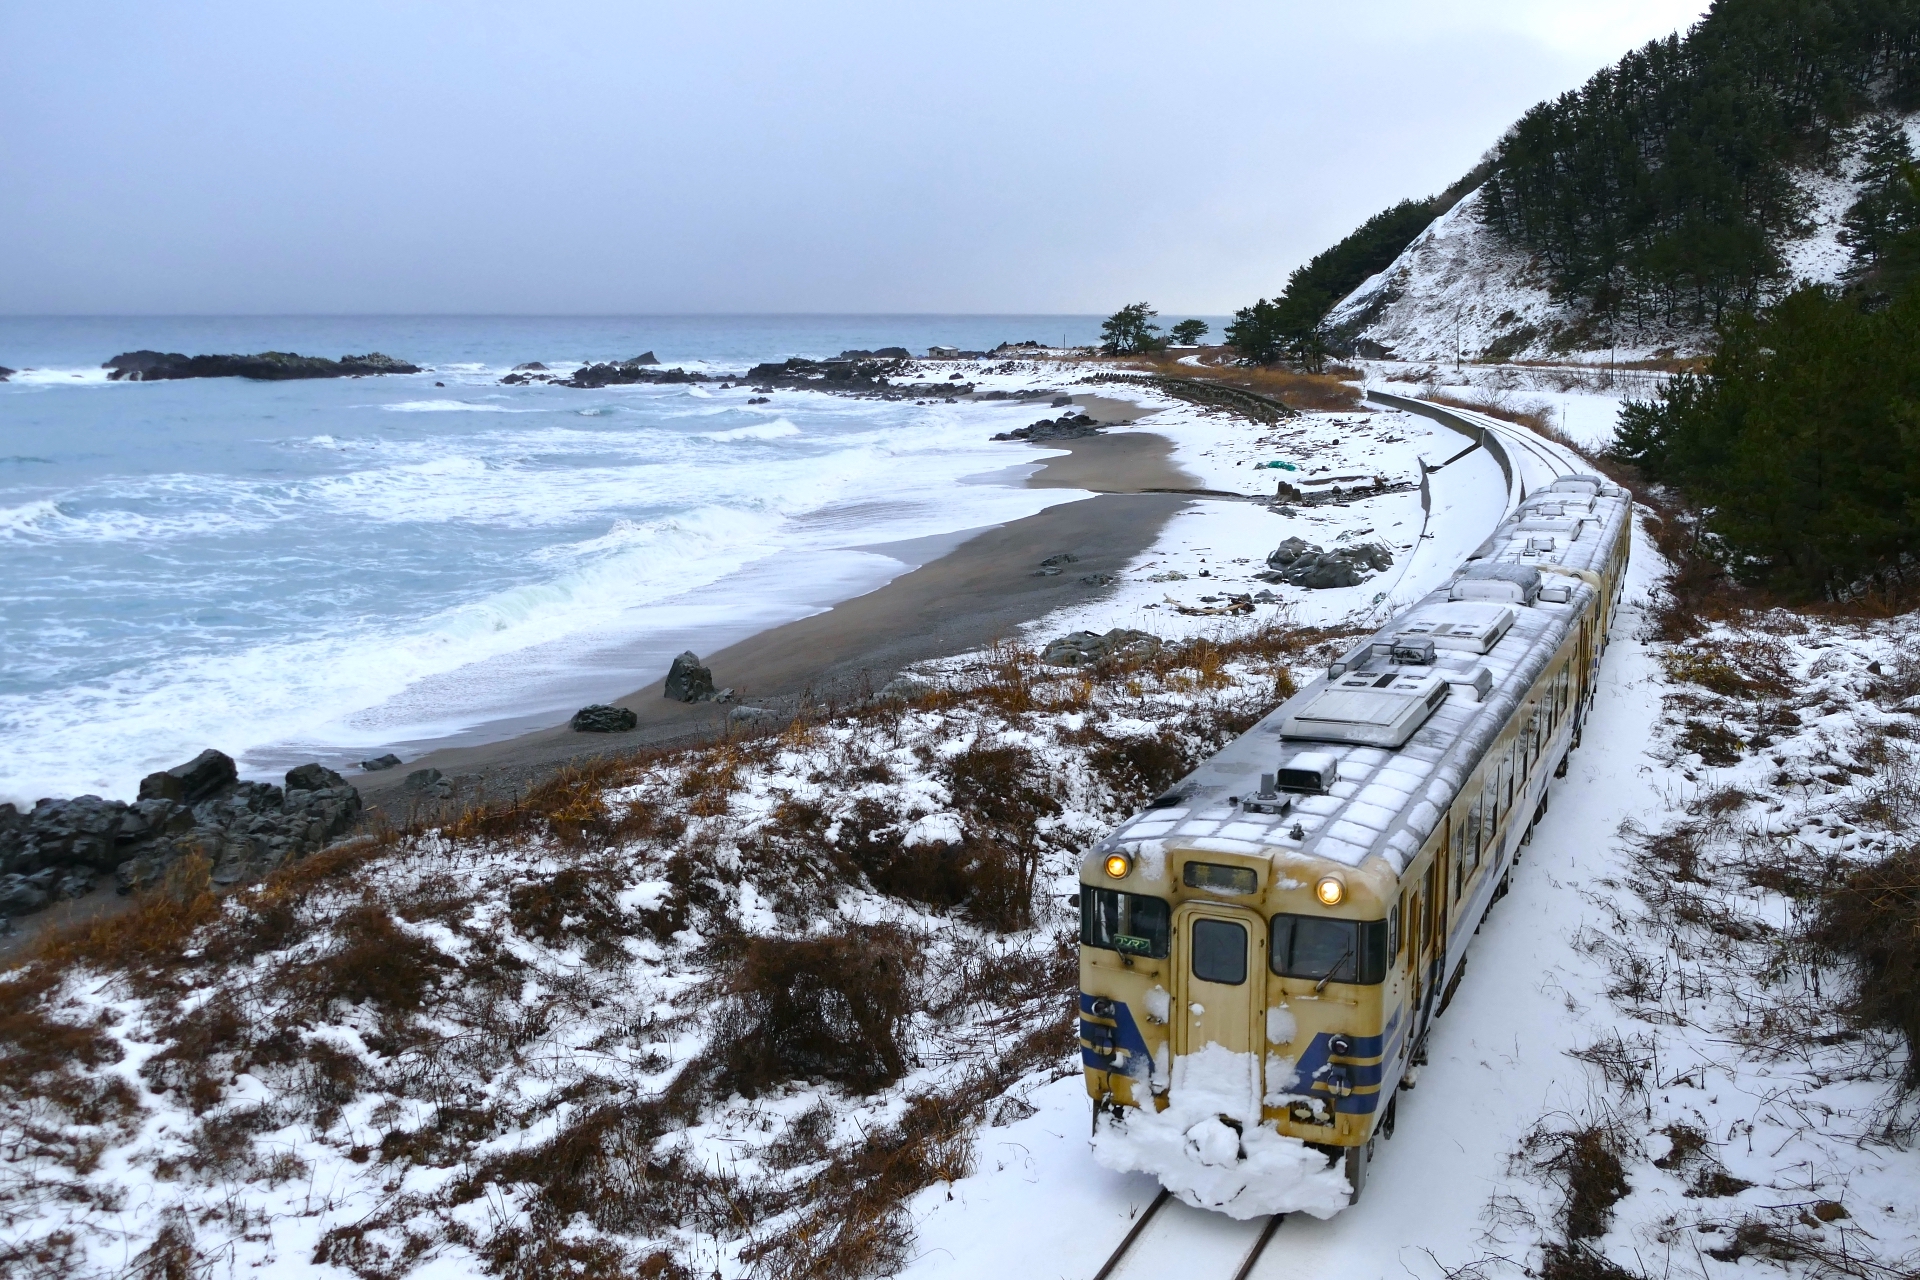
pixel 639 158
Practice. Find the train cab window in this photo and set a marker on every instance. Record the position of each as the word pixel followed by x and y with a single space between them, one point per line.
pixel 1315 946
pixel 1220 951
pixel 1393 934
pixel 1130 923
pixel 1220 879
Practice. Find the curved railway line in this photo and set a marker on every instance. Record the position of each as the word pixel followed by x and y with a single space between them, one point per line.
pixel 1196 1242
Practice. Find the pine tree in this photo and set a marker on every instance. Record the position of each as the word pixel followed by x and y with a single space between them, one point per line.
pixel 1886 206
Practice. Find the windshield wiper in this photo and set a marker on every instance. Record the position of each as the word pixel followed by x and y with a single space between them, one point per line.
pixel 1344 957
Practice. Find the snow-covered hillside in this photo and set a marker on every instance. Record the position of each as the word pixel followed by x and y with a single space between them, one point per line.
pixel 1459 290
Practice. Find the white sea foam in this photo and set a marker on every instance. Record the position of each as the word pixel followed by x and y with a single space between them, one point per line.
pixel 450 406
pixel 760 431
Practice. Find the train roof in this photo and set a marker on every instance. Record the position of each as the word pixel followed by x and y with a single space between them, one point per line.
pixel 1398 723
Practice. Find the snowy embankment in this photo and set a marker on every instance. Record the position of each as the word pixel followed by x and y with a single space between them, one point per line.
pixel 800 1004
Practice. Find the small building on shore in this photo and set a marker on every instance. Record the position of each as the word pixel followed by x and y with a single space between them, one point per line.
pixel 943 353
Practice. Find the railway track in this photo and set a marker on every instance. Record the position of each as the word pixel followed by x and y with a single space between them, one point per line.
pixel 1117 1263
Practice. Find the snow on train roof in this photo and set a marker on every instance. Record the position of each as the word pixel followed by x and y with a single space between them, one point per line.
pixel 1387 802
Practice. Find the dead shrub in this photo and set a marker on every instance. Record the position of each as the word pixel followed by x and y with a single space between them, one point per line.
pixel 1142 767
pixel 1717 746
pixel 1692 1157
pixel 826 1008
pixel 150 936
pixel 374 962
pixel 580 900
pixel 50 1077
pixel 1873 918
pixel 1588 1160
pixel 173 1255
pixel 1580 1262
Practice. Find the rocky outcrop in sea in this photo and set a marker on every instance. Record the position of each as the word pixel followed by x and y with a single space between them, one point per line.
pixel 62 848
pixel 1068 426
pixel 267 366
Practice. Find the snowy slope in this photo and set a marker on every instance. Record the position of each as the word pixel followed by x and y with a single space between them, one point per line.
pixel 1460 289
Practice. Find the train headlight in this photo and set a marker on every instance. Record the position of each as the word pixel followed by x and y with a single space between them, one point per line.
pixel 1331 891
pixel 1118 864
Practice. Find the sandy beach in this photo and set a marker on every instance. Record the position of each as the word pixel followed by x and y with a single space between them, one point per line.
pixel 981 590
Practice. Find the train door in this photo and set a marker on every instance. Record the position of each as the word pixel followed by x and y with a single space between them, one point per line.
pixel 1220 955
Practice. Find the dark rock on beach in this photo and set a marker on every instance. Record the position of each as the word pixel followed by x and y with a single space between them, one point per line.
pixel 387 761
pixel 1075 426
pixel 242 829
pixel 688 681
pixel 267 366
pixel 1305 564
pixel 601 718
pixel 1084 648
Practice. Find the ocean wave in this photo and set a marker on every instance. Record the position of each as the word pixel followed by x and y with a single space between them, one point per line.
pixel 451 406
pixel 776 430
pixel 28 518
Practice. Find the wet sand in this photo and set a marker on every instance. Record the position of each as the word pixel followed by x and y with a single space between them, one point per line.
pixel 981 590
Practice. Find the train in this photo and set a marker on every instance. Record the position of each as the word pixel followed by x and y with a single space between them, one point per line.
pixel 1265 947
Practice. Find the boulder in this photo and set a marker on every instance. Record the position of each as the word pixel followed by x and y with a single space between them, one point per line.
pixel 601 718
pixel 531 366
pixel 387 761
pixel 6 373
pixel 645 357
pixel 904 689
pixel 751 716
pixel 688 681
pixel 193 781
pixel 313 777
pixel 1084 648
pixel 1074 426
pixel 1305 564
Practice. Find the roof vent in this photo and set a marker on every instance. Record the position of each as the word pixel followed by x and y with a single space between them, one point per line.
pixel 1540 544
pixel 1413 650
pixel 1503 583
pixel 1477 678
pixel 1309 773
pixel 1352 660
pixel 1377 713
pixel 1557 592
pixel 1588 485
pixel 1459 628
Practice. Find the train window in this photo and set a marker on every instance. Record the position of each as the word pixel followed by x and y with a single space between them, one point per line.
pixel 1314 947
pixel 1475 831
pixel 1211 875
pixel 1393 934
pixel 1489 810
pixel 1220 951
pixel 1126 922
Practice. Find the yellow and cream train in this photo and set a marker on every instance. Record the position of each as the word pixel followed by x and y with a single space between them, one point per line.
pixel 1305 898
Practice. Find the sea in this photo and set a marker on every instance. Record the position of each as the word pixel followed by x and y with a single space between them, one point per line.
pixel 333 569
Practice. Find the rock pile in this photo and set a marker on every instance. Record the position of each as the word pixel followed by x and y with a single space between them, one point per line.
pixel 852 369
pixel 267 366
pixel 1305 564
pixel 1074 426
pixel 60 848
pixel 1084 648
pixel 602 718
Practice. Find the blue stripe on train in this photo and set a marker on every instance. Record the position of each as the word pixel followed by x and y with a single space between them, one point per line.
pixel 1123 1035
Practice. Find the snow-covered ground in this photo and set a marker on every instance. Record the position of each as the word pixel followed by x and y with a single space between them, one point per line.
pixel 255 1112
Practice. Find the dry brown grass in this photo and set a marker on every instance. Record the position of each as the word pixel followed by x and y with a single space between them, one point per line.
pixel 1330 392
pixel 1873 919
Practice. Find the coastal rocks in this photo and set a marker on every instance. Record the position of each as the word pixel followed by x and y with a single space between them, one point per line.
pixel 642 368
pixel 1054 565
pixel 387 761
pixel 884 353
pixel 430 783
pixel 531 366
pixel 852 370
pixel 688 681
pixel 243 829
pixel 1066 427
pixel 1305 564
pixel 266 366
pixel 754 717
pixel 602 718
pixel 6 373
pixel 1084 648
